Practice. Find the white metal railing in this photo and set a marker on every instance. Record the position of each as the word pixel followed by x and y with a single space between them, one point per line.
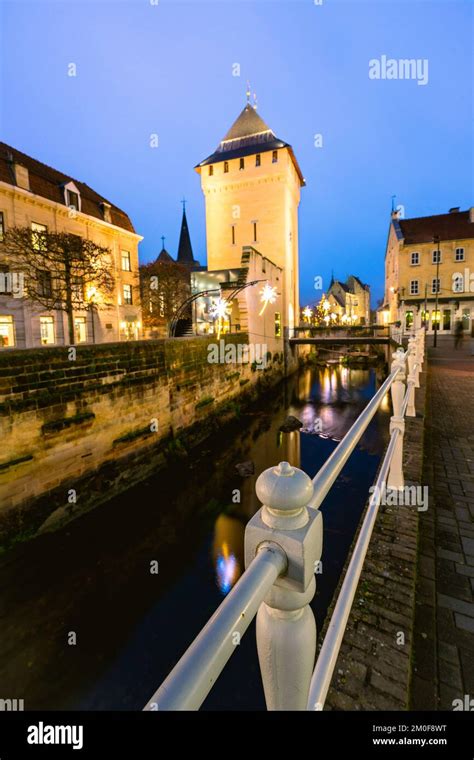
pixel 283 544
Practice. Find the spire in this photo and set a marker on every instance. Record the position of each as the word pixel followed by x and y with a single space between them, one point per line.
pixel 185 250
pixel 332 279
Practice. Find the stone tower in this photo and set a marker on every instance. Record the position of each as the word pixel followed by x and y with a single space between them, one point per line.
pixel 251 185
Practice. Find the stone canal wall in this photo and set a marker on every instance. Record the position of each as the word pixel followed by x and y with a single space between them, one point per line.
pixel 76 431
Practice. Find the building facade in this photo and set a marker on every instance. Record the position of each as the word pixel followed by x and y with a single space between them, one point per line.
pixel 429 272
pixel 251 184
pixel 40 198
pixel 350 301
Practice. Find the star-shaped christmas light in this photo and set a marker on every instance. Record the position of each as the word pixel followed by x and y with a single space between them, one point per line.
pixel 268 295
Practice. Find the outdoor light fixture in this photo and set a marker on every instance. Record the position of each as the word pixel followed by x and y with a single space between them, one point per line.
pixel 268 295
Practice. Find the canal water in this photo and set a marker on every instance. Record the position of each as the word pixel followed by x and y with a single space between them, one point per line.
pixel 84 624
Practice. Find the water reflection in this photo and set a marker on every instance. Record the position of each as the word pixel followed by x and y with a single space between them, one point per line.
pixel 228 551
pixel 327 401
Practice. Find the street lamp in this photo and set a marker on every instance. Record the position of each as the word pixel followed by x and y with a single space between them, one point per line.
pixel 436 324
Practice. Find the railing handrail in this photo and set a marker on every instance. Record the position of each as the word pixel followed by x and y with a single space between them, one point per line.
pixel 192 678
pixel 285 541
pixel 329 651
pixel 325 477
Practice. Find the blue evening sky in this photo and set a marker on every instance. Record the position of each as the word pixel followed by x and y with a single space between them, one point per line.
pixel 166 68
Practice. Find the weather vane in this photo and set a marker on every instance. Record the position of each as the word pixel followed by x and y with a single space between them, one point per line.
pixel 184 204
pixel 255 100
pixel 163 241
pixel 248 93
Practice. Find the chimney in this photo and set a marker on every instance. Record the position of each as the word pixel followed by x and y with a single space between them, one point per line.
pixel 454 210
pixel 22 178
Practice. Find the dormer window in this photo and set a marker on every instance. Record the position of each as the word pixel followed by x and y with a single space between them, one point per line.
pixel 72 197
pixel 106 211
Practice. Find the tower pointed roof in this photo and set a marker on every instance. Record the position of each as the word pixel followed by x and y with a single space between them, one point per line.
pixel 185 249
pixel 247 124
pixel 249 134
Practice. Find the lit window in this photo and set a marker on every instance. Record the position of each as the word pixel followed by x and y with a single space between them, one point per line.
pixel 258 159
pixel 2 226
pixel 127 294
pixel 408 319
pixel 277 324
pixel 274 157
pixel 211 171
pixel 226 167
pixel 73 200
pixel 435 319
pixel 7 332
pixel 435 285
pixel 80 329
pixel 233 234
pixel 47 330
pixel 459 254
pixel 38 234
pixel 414 287
pixel 254 224
pixel 126 263
pixel 241 164
pixel 415 258
pixel 436 257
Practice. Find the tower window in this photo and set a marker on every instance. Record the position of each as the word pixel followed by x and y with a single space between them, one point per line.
pixel 233 234
pixel 258 159
pixel 241 164
pixel 226 167
pixel 211 171
pixel 254 231
pixel 274 157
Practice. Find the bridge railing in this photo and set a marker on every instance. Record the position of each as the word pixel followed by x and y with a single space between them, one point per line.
pixel 283 546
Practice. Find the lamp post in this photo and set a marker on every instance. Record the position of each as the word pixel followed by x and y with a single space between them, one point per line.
pixel 436 324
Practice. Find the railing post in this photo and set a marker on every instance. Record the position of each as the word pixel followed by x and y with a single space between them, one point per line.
pixel 411 380
pixel 395 477
pixel 286 628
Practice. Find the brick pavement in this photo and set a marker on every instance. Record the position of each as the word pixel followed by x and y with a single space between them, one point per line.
pixel 443 658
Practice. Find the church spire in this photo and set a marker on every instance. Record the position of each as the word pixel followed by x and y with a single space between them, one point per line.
pixel 185 250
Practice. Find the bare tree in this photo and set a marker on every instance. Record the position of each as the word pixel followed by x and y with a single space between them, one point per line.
pixel 164 286
pixel 61 271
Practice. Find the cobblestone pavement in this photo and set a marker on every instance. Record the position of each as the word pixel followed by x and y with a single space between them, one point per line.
pixel 443 665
